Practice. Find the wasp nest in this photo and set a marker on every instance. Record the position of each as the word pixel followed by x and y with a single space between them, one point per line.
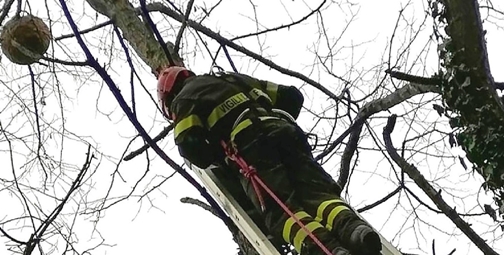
pixel 25 39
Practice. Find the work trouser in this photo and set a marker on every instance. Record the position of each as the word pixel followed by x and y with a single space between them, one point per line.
pixel 280 153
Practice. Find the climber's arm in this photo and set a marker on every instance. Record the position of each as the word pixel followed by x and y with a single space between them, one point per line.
pixel 287 98
pixel 191 134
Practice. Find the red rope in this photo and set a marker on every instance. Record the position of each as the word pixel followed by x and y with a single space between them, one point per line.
pixel 251 174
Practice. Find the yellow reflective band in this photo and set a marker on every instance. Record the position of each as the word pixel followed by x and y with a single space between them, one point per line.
pixel 256 93
pixel 244 124
pixel 225 107
pixel 323 206
pixel 271 89
pixel 290 222
pixel 332 215
pixel 186 123
pixel 301 234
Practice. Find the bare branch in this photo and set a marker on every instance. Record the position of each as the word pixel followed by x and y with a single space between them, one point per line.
pixel 197 202
pixel 373 107
pixel 282 26
pixel 64 62
pixel 84 31
pixel 5 10
pixel 426 80
pixel 183 26
pixel 11 238
pixel 413 78
pixel 381 201
pixel 158 137
pixel 434 195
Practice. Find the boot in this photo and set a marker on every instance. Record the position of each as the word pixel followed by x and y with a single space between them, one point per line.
pixel 312 249
pixel 365 241
pixel 340 251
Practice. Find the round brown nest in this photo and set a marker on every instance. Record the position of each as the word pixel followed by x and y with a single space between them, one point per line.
pixel 25 39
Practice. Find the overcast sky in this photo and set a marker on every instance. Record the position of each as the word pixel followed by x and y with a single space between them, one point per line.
pixel 160 224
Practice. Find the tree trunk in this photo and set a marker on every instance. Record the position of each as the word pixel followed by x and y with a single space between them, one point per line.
pixel 469 91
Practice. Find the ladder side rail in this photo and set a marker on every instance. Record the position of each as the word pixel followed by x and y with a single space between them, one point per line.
pixel 246 225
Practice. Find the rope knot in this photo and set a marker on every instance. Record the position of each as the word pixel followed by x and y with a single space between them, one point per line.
pixel 248 172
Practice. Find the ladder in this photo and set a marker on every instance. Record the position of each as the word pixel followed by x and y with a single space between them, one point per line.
pixel 246 225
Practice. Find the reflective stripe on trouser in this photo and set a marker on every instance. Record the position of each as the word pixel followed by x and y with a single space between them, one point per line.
pixel 293 233
pixel 329 210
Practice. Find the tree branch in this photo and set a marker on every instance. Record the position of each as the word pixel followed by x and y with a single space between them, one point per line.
pixel 373 107
pixel 84 31
pixel 11 238
pixel 434 195
pixel 183 26
pixel 124 16
pixel 381 201
pixel 64 62
pixel 158 137
pixel 426 80
pixel 197 202
pixel 5 10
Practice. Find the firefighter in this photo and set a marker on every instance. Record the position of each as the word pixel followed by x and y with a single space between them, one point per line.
pixel 257 118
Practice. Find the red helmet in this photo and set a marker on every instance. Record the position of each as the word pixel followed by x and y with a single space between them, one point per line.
pixel 166 82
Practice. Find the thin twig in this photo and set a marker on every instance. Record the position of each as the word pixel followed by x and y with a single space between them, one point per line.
pixel 183 26
pixel 84 31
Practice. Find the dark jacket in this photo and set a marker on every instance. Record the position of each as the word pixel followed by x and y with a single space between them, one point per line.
pixel 207 106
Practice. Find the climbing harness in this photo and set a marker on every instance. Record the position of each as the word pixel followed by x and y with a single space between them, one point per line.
pixel 251 173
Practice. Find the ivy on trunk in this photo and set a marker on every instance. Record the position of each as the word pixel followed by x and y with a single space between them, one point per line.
pixel 468 90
